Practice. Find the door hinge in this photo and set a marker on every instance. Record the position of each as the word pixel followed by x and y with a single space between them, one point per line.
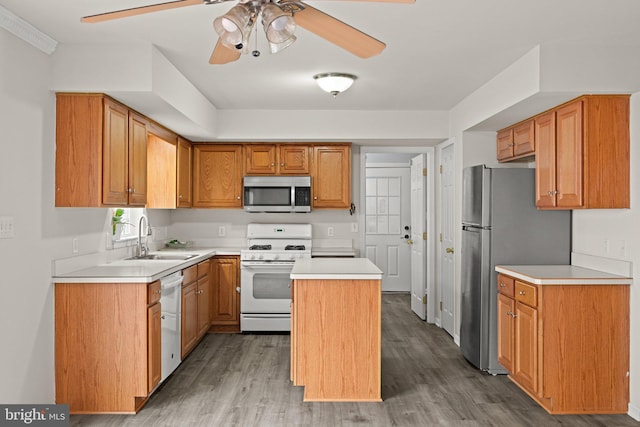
pixel 424 171
pixel 424 299
pixel 440 237
pixel 424 236
pixel 440 305
pixel 440 168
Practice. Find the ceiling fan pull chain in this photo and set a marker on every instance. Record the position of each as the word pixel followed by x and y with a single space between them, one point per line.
pixel 255 51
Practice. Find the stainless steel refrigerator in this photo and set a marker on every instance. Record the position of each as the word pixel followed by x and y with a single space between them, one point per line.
pixel 501 225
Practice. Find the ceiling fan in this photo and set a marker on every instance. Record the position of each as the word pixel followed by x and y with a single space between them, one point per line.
pixel 279 19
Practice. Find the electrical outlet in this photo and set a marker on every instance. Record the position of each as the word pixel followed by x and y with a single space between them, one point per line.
pixel 330 231
pixel 74 245
pixel 222 231
pixel 6 227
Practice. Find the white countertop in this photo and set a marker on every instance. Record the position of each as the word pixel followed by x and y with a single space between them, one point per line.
pixel 561 275
pixel 140 271
pixel 336 268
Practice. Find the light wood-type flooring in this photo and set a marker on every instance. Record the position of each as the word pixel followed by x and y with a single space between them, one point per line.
pixel 243 380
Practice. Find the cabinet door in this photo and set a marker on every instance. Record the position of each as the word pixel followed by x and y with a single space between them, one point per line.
pixel 225 301
pixel 293 159
pixel 523 139
pixel 154 336
pixel 331 176
pixel 115 158
pixel 545 142
pixel 217 176
pixel 189 317
pixel 204 297
pixel 260 159
pixel 137 161
pixel 183 192
pixel 506 308
pixel 569 155
pixel 526 346
pixel 504 144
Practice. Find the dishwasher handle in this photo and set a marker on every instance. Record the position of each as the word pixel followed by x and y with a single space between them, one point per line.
pixel 171 281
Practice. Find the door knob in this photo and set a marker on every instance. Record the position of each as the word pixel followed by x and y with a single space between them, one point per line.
pixel 449 250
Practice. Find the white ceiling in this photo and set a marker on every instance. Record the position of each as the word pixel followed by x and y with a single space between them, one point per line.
pixel 438 51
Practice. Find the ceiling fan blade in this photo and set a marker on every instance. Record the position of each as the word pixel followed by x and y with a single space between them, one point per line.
pixel 337 32
pixel 223 55
pixel 388 1
pixel 139 10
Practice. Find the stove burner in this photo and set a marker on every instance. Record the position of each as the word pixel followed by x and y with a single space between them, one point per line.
pixel 260 247
pixel 294 248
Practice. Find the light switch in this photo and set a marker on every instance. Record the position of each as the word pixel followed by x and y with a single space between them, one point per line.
pixel 330 231
pixel 6 228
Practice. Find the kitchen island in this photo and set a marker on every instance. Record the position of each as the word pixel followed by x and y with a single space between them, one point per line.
pixel 336 329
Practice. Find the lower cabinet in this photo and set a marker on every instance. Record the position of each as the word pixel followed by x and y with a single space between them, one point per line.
pixel 567 346
pixel 225 295
pixel 107 345
pixel 195 305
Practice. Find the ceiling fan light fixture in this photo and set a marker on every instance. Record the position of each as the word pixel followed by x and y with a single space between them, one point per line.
pixel 334 83
pixel 234 27
pixel 277 47
pixel 279 25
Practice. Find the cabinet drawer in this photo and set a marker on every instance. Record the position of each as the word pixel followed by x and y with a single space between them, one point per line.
pixel 203 268
pixel 526 294
pixel 189 275
pixel 506 285
pixel 153 292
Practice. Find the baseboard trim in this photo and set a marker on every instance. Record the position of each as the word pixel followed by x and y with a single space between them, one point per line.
pixel 634 411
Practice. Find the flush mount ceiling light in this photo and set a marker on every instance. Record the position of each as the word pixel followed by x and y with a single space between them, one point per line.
pixel 334 83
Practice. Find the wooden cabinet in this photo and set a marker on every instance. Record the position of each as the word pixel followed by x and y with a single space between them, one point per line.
pixel 184 168
pixel 336 339
pixel 161 170
pixel 101 152
pixel 107 345
pixel 582 154
pixel 154 338
pixel 331 176
pixel 217 176
pixel 195 305
pixel 225 298
pixel 516 141
pixel 567 346
pixel 277 159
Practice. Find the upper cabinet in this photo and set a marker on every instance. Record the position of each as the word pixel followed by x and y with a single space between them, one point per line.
pixel 184 173
pixel 516 142
pixel 582 157
pixel 161 168
pixel 276 159
pixel 101 153
pixel 331 176
pixel 581 152
pixel 217 176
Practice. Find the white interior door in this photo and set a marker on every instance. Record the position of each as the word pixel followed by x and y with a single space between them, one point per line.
pixel 418 234
pixel 387 213
pixel 447 259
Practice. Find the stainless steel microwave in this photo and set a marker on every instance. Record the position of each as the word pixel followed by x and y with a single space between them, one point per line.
pixel 277 193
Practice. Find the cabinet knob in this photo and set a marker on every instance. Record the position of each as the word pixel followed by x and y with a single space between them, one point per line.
pixel 180 196
pixel 238 197
pixel 238 289
pixel 521 292
pixel 502 285
pixel 273 164
pixel 315 197
pixel 281 164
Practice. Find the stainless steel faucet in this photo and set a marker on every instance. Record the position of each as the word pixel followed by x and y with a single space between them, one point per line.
pixel 143 250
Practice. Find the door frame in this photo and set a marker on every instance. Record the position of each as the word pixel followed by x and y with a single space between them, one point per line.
pixel 431 275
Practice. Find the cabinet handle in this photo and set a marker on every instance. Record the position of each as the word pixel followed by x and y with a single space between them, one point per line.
pixel 521 292
pixel 180 196
pixel 315 197
pixel 238 197
pixel 273 164
pixel 514 315
pixel 238 289
pixel 281 164
pixel 502 285
pixel 509 313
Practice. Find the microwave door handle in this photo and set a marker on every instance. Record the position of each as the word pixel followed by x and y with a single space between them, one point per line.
pixel 293 197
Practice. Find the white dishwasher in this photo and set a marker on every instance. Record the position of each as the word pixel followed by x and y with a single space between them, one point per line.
pixel 170 305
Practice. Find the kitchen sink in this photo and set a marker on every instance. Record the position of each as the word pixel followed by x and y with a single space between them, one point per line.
pixel 163 257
